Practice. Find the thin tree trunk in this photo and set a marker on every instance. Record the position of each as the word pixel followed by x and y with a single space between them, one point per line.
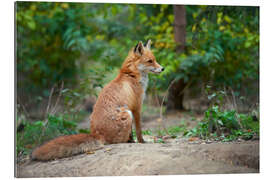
pixel 180 27
pixel 175 97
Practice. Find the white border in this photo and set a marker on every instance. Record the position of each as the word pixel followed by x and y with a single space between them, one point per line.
pixel 7 89
pixel 7 86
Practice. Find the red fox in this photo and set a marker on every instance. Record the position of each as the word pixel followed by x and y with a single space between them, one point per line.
pixel 118 104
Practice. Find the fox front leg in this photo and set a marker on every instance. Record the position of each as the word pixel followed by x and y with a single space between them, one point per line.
pixel 138 127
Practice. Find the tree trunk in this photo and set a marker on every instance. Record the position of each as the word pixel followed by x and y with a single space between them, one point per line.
pixel 179 27
pixel 176 96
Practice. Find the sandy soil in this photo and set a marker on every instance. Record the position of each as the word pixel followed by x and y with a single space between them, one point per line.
pixel 175 156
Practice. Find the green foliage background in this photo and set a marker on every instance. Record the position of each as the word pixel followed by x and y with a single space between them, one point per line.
pixel 221 43
pixel 84 44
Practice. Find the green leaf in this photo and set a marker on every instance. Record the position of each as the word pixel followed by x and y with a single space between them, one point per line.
pixel 31 25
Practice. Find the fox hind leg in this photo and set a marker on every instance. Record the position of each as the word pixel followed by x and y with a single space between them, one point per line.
pixel 125 109
pixel 124 124
pixel 130 140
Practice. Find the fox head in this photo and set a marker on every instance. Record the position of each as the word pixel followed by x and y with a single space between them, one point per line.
pixel 146 61
pixel 142 59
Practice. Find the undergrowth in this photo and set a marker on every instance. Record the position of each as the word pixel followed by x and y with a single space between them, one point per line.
pixel 36 133
pixel 218 124
pixel 225 125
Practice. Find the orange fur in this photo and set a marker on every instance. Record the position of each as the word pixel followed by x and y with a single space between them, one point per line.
pixel 118 104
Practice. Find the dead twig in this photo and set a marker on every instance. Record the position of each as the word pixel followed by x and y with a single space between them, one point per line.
pixel 156 94
pixel 160 112
pixel 49 101
pixel 226 96
pixel 53 111
pixel 189 83
pixel 23 107
pixel 46 113
pixel 160 119
pixel 234 100
pixel 48 107
pixel 163 99
pixel 235 107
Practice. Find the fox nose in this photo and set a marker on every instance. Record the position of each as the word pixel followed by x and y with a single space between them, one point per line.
pixel 162 69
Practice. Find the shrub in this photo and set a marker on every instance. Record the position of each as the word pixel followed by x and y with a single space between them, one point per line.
pixel 223 125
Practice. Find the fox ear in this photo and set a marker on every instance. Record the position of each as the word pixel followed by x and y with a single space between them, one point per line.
pixel 148 44
pixel 139 49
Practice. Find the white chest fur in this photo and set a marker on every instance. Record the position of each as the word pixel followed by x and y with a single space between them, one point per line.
pixel 144 83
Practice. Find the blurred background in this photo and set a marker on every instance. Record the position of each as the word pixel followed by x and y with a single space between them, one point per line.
pixel 66 53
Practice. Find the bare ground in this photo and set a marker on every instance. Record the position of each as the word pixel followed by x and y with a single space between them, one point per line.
pixel 175 156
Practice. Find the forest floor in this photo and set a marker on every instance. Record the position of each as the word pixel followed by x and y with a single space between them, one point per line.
pixel 176 156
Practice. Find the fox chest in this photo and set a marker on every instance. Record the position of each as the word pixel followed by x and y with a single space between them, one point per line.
pixel 144 83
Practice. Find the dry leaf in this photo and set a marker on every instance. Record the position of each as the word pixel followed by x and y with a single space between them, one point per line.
pixel 166 137
pixel 159 120
pixel 90 152
pixel 193 139
pixel 108 149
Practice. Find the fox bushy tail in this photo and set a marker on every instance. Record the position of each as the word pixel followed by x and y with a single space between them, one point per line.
pixel 65 146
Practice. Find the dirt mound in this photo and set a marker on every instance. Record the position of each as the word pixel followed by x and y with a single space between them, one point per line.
pixel 176 156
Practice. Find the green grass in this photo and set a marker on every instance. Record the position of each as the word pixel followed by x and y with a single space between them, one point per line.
pixel 224 126
pixel 36 133
pixel 147 132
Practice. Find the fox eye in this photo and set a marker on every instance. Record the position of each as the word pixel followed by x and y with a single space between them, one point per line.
pixel 150 61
